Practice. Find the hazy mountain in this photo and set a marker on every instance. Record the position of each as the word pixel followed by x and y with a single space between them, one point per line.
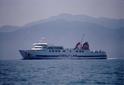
pixel 9 28
pixel 107 22
pixel 66 30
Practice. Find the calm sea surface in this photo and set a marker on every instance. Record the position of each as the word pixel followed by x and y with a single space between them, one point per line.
pixel 62 72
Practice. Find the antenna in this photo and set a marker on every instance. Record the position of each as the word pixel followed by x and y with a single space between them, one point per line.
pixel 43 40
pixel 82 39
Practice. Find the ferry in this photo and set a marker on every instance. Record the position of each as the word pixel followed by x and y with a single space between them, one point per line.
pixel 42 50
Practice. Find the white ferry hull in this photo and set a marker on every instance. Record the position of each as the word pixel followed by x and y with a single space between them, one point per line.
pixel 38 54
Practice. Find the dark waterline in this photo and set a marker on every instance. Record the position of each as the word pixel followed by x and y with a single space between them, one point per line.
pixel 62 72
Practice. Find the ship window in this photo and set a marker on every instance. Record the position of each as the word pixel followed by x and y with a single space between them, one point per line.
pixel 63 50
pixel 55 47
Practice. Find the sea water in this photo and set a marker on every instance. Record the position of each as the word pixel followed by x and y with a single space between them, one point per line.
pixel 62 72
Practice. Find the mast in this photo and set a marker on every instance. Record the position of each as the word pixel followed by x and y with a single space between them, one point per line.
pixel 43 40
pixel 82 38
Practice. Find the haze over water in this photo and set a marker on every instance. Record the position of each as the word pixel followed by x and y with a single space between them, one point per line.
pixel 62 22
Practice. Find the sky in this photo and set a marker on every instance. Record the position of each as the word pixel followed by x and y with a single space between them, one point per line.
pixel 21 12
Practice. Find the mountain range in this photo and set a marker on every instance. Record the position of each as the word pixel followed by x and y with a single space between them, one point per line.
pixel 66 30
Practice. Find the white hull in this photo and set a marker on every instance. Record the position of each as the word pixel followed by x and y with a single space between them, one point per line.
pixel 69 54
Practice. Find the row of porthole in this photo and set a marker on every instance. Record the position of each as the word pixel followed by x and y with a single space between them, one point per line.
pixel 80 51
pixel 62 51
pixel 54 51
